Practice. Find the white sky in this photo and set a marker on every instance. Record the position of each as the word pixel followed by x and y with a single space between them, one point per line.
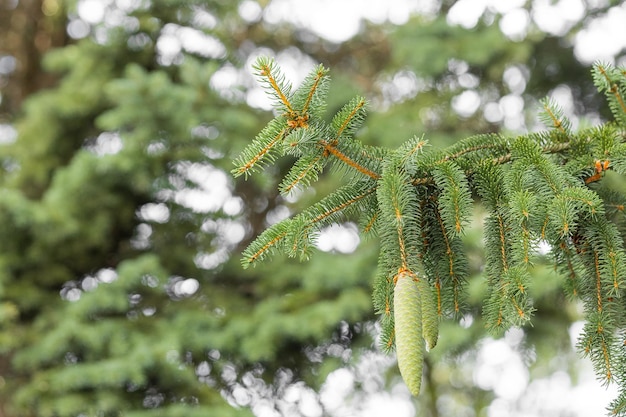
pixel 337 21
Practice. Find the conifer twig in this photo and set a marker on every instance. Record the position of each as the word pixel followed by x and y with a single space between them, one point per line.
pixel 540 186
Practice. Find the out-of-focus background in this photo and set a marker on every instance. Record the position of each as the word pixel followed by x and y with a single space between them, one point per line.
pixel 121 291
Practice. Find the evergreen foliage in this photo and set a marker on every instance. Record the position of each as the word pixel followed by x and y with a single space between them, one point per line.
pixel 539 187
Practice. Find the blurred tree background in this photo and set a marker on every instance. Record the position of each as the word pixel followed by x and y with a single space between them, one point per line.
pixel 121 291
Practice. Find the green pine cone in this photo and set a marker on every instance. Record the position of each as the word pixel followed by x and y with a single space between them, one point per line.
pixel 430 319
pixel 408 330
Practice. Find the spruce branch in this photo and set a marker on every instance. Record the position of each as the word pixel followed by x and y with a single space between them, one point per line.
pixel 553 117
pixel 262 150
pixel 270 240
pixel 311 96
pixel 445 261
pixel 302 173
pixel 570 266
pixel 521 205
pixel 331 148
pixel 400 227
pixel 611 81
pixel 539 186
pixel 382 297
pixel 455 200
pixel 273 80
pixel 346 122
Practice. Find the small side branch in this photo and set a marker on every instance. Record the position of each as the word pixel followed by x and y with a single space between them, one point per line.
pixel 332 149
